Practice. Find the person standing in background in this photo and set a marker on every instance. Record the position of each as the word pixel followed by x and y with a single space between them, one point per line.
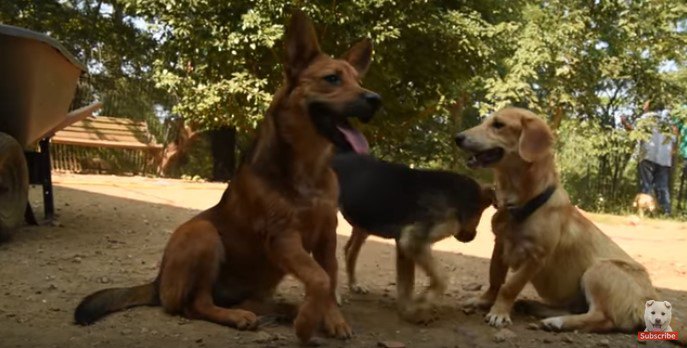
pixel 682 151
pixel 655 153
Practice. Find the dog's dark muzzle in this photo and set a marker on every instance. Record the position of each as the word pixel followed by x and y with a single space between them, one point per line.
pixel 460 139
pixel 365 107
pixel 465 236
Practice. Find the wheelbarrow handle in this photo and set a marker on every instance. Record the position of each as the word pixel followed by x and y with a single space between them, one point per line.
pixel 76 116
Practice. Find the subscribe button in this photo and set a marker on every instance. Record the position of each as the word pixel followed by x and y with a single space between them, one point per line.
pixel 657 336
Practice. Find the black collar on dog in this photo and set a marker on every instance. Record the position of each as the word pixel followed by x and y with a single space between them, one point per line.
pixel 520 214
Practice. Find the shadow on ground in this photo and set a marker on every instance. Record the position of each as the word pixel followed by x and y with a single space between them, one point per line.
pixel 105 241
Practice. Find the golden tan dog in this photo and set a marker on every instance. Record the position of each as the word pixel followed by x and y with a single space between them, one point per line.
pixel 644 202
pixel 278 216
pixel 591 282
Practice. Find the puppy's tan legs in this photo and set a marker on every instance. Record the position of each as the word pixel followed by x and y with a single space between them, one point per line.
pixel 421 309
pixel 351 251
pixel 499 315
pixel 437 278
pixel 405 278
pixel 497 275
pixel 417 250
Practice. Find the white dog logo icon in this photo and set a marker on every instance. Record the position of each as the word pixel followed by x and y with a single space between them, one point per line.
pixel 657 315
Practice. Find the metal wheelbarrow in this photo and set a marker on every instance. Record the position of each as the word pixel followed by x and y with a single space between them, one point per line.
pixel 38 83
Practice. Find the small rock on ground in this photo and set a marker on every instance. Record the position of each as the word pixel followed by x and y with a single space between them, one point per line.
pixel 604 343
pixel 503 335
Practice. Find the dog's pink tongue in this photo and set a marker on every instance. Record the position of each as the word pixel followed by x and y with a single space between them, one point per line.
pixel 356 139
pixel 657 329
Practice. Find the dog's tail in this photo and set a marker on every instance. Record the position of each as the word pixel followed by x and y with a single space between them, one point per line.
pixel 103 302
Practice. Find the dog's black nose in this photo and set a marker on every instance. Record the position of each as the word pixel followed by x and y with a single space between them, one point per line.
pixel 460 138
pixel 373 99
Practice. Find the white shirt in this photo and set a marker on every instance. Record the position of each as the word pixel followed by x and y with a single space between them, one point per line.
pixel 658 148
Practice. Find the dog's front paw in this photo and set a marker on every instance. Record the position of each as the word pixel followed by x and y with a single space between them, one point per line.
pixel 335 325
pixel 308 319
pixel 552 324
pixel 418 312
pixel 498 319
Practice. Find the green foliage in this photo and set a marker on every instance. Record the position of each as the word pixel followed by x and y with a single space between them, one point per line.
pixel 221 60
pixel 581 64
pixel 439 66
pixel 102 35
pixel 596 165
pixel 589 59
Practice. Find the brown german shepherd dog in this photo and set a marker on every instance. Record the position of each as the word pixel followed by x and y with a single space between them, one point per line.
pixel 224 264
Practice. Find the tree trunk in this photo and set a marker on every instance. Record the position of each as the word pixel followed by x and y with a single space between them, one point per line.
pixel 456 113
pixel 175 153
pixel 557 117
pixel 223 145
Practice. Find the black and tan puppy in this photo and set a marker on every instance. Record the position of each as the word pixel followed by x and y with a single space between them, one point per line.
pixel 415 207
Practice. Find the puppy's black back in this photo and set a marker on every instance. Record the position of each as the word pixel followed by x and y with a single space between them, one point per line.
pixel 383 197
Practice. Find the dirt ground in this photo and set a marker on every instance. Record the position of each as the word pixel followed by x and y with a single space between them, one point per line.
pixel 110 231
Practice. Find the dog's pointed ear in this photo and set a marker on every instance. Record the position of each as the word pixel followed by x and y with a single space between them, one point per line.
pixel 536 139
pixel 359 56
pixel 301 45
pixel 649 303
pixel 667 304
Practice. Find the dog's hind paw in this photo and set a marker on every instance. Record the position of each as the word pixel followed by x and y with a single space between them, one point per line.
pixel 244 320
pixel 553 323
pixel 358 289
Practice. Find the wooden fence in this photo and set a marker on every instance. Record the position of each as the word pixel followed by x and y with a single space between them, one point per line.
pixel 113 145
